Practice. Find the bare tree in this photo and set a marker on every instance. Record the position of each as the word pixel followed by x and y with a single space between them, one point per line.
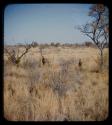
pixel 80 64
pixel 43 59
pixel 14 56
pixel 98 29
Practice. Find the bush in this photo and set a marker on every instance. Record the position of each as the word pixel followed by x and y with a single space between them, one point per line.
pixel 30 63
pixel 89 44
pixel 58 84
pixel 34 44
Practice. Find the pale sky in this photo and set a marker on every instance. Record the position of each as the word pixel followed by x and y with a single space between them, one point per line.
pixel 45 23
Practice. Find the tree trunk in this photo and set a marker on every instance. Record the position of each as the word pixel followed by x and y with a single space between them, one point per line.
pixel 101 59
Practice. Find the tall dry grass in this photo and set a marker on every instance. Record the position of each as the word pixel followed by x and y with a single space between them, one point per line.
pixel 59 91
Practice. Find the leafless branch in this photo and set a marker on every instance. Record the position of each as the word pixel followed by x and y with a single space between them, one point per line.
pixel 14 57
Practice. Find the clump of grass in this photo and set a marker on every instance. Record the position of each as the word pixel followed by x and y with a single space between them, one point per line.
pixel 30 63
pixel 97 61
pixel 106 59
pixel 58 84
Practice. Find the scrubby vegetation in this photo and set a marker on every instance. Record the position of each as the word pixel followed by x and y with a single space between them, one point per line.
pixel 62 90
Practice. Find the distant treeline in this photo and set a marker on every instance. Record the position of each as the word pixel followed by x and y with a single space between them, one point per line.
pixel 53 44
pixel 87 44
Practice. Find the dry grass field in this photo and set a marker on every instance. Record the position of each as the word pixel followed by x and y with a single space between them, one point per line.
pixel 59 90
